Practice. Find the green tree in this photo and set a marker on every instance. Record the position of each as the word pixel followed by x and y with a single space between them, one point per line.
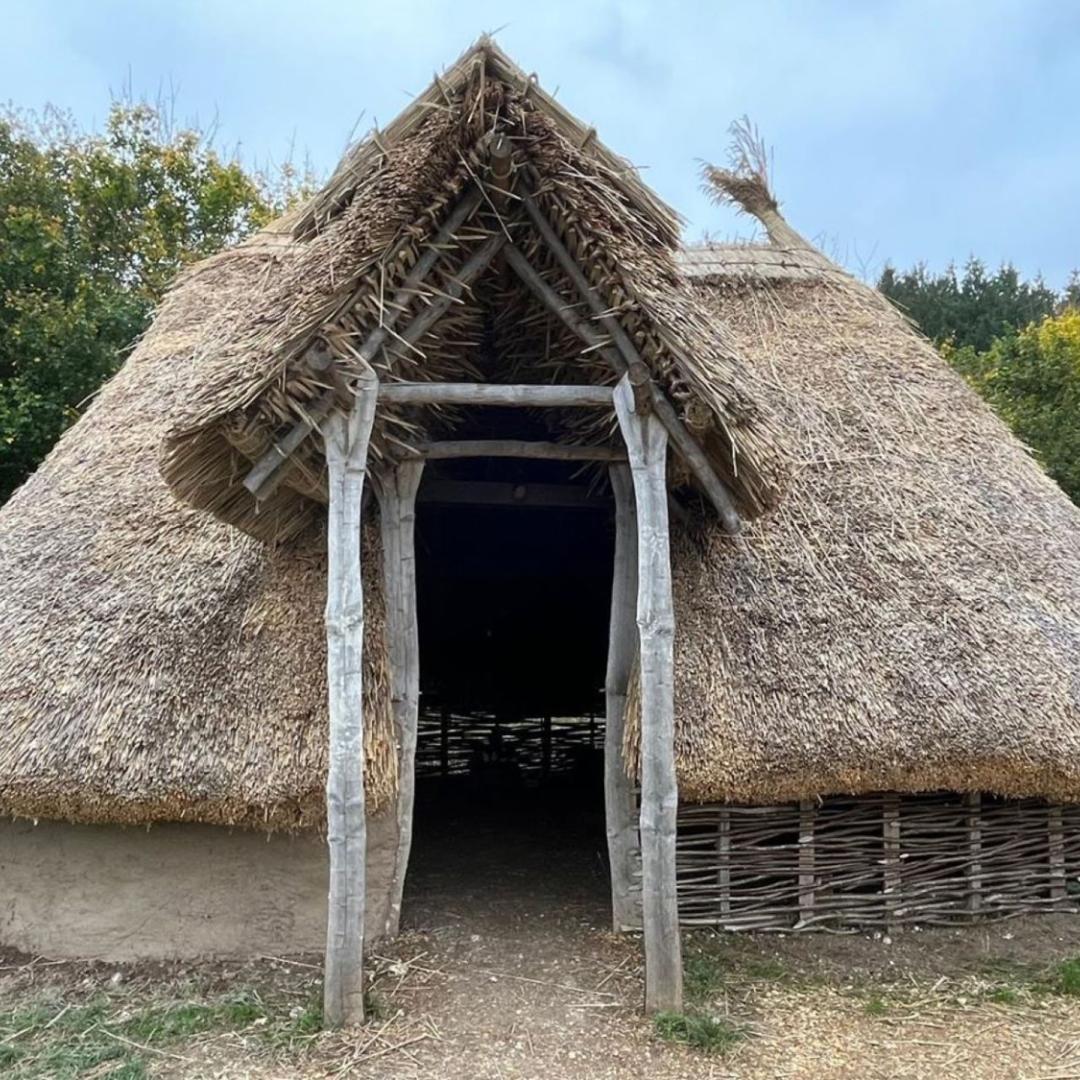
pixel 969 309
pixel 92 229
pixel 1032 379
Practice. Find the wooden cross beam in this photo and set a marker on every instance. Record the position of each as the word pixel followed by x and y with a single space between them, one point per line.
pixel 497 493
pixel 509 394
pixel 514 448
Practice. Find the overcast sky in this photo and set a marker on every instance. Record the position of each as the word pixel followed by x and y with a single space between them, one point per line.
pixel 901 131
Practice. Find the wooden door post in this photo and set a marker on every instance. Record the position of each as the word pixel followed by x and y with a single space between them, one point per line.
pixel 397 489
pixel 346 442
pixel 619 800
pixel 646 444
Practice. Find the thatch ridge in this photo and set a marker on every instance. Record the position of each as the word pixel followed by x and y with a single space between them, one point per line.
pixel 154 663
pixel 909 618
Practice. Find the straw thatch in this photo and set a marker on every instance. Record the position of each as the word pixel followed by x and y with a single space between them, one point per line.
pixel 351 247
pixel 909 618
pixel 154 663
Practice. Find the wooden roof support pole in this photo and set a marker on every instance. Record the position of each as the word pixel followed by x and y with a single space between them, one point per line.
pixel 346 441
pixel 627 358
pixel 620 802
pixel 397 488
pixel 646 444
pixel 266 473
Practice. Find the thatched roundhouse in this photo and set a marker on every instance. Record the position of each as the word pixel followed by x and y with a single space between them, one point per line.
pixel 871 706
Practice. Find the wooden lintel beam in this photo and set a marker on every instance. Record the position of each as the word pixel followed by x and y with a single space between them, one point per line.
pixel 625 357
pixel 491 493
pixel 510 394
pixel 514 448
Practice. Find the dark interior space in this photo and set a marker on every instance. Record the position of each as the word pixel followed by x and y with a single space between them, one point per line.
pixel 514 563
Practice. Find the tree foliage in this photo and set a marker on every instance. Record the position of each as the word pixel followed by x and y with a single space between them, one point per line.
pixel 971 308
pixel 92 229
pixel 1032 378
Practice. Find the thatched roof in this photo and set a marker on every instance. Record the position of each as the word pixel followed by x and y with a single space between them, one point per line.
pixel 909 618
pixel 156 664
pixel 341 257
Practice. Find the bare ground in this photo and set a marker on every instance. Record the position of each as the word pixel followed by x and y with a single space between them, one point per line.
pixel 507 972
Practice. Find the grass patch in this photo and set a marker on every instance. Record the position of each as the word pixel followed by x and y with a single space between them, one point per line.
pixel 876 1006
pixel 704 1033
pixel 703 976
pixel 63 1040
pixel 1065 978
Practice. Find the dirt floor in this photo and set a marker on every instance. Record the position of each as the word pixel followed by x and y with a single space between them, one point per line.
pixel 507 972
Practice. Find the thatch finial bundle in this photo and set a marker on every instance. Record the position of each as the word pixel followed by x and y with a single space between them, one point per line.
pixel 745 185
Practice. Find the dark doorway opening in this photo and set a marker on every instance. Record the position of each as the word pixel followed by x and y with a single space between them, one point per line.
pixel 514 565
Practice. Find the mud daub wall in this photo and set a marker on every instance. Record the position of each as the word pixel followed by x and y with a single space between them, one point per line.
pixel 878 861
pixel 119 893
